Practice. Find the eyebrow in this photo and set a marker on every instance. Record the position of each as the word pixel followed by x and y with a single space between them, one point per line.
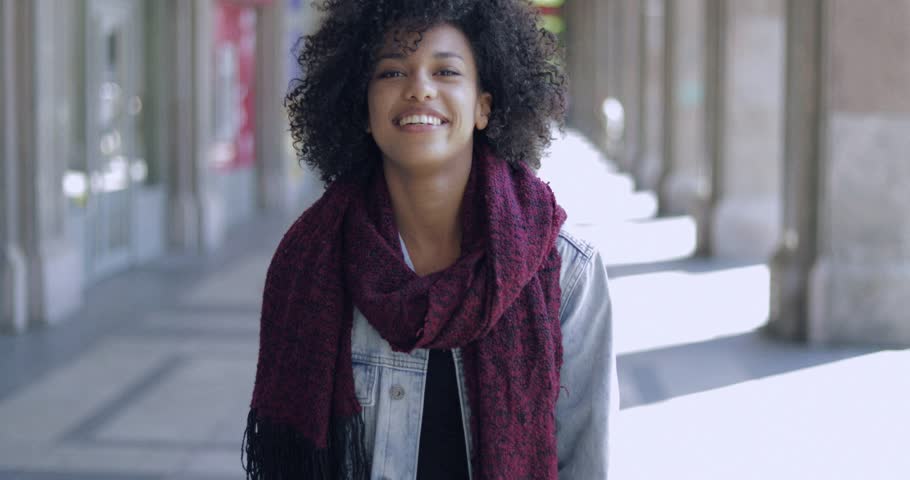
pixel 438 55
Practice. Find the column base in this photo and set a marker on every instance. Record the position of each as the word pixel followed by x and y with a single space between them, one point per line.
pixel 789 273
pixel 859 303
pixel 13 292
pixel 214 222
pixel 683 194
pixel 273 191
pixel 196 228
pixel 648 172
pixel 746 227
pixel 57 276
pixel 184 223
pixel 148 222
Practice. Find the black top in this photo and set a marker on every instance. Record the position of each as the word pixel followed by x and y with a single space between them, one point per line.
pixel 442 454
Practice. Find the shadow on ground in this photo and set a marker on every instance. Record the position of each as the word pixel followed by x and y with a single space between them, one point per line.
pixel 661 374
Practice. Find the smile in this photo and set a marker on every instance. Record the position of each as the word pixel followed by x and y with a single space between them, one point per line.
pixel 420 120
pixel 420 123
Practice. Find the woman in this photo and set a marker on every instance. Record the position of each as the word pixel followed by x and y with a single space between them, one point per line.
pixel 427 317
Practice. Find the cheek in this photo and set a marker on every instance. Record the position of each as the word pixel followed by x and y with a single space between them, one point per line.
pixel 371 104
pixel 374 102
pixel 466 106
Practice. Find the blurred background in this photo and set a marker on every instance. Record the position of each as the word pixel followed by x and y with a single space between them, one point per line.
pixel 743 166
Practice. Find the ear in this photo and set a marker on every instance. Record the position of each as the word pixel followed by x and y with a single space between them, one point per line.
pixel 484 106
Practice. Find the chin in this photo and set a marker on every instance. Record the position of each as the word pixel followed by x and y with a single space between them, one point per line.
pixel 417 163
pixel 418 158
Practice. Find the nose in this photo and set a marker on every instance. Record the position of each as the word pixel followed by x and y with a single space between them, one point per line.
pixel 420 88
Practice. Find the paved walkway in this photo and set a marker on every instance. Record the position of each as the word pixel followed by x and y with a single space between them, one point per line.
pixel 152 379
pixel 149 381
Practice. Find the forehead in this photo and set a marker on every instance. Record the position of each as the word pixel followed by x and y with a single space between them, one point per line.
pixel 400 42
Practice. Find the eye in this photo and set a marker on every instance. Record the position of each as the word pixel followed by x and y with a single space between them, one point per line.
pixel 448 73
pixel 390 74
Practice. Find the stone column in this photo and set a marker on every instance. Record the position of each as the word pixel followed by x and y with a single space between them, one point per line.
pixel 650 168
pixel 13 300
pixel 209 184
pixel 716 26
pixel 183 177
pixel 41 265
pixel 603 51
pixel 630 66
pixel 575 44
pixel 685 189
pixel 860 283
pixel 197 211
pixel 56 259
pixel 791 265
pixel 587 63
pixel 747 217
pixel 271 118
pixel 609 39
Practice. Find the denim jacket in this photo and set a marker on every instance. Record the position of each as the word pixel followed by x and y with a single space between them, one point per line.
pixel 390 385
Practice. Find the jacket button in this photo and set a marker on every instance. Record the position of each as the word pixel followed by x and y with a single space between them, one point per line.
pixel 397 392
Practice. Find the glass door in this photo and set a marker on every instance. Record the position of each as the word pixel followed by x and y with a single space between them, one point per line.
pixel 114 60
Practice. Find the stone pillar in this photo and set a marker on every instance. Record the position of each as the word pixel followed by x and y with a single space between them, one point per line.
pixel 650 167
pixel 185 230
pixel 575 45
pixel 56 259
pixel 747 217
pixel 716 26
pixel 41 265
pixel 604 35
pixel 792 263
pixel 609 38
pixel 685 189
pixel 630 67
pixel 271 118
pixel 860 283
pixel 13 300
pixel 587 64
pixel 197 211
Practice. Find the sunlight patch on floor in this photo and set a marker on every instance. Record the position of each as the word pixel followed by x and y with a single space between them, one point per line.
pixel 674 307
pixel 834 421
pixel 650 241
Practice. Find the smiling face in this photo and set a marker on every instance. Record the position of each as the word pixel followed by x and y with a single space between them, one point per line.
pixel 424 106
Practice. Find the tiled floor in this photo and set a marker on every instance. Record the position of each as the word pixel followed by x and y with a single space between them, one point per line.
pixel 150 381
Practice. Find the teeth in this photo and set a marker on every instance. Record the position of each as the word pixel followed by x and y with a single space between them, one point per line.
pixel 421 119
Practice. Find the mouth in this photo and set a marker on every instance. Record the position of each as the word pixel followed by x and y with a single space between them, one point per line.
pixel 420 123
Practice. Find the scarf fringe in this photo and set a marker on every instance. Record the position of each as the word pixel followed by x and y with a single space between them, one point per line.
pixel 272 451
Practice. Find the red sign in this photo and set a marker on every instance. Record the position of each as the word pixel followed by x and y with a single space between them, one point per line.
pixel 261 3
pixel 549 10
pixel 234 73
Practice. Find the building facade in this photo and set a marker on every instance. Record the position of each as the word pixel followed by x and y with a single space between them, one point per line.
pixel 133 129
pixel 781 127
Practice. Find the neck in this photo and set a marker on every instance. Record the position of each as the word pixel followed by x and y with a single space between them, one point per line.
pixel 427 209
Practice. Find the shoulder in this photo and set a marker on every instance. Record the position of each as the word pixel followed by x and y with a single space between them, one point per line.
pixel 570 244
pixel 580 264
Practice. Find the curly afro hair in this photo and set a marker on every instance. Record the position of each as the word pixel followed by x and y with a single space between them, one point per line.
pixel 519 63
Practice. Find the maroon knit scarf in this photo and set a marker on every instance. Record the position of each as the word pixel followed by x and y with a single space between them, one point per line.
pixel 499 302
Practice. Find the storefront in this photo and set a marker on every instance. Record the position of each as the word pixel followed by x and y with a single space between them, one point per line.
pixel 234 106
pixel 114 190
pixel 134 129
